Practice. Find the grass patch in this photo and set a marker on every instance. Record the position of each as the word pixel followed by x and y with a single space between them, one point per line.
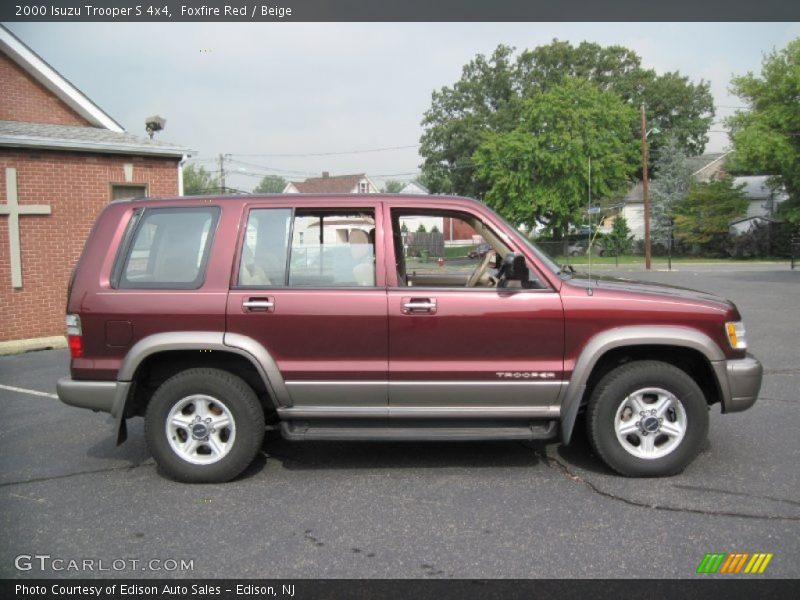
pixel 458 251
pixel 632 260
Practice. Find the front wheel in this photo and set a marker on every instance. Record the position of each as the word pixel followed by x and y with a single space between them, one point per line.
pixel 204 426
pixel 647 419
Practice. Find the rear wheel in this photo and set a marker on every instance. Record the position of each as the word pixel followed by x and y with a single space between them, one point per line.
pixel 204 426
pixel 647 419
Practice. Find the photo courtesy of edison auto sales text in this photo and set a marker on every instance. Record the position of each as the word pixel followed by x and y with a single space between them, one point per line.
pixel 124 589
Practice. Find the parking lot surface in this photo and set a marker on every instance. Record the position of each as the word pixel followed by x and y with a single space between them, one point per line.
pixel 412 510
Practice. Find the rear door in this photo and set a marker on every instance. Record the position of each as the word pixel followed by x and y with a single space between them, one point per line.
pixel 306 287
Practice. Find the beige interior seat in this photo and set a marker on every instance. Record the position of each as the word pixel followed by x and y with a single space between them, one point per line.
pixel 363 252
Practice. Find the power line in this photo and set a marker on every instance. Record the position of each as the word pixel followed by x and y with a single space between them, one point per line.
pixel 310 154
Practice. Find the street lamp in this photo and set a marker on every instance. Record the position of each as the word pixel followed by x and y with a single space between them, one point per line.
pixel 645 191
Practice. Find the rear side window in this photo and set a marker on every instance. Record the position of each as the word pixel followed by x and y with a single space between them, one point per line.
pixel 169 249
pixel 308 248
pixel 265 249
pixel 333 248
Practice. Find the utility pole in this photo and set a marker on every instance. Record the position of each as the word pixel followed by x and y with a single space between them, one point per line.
pixel 222 173
pixel 645 194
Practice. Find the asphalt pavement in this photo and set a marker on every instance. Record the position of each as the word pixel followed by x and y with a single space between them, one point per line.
pixel 410 510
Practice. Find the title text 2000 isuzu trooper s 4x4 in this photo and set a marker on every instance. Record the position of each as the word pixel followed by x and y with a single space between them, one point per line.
pixel 214 317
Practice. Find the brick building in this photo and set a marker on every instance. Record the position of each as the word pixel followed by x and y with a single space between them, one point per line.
pixel 62 159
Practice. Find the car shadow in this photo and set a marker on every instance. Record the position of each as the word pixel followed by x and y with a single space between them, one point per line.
pixel 332 455
pixel 134 451
pixel 316 455
pixel 579 454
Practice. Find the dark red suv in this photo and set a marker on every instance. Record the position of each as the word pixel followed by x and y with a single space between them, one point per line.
pixel 215 317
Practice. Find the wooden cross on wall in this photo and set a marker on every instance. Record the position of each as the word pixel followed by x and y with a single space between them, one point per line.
pixel 13 209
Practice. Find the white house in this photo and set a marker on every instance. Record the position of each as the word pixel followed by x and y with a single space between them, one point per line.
pixel 338 184
pixel 413 223
pixel 704 168
pixel 414 187
pixel 764 201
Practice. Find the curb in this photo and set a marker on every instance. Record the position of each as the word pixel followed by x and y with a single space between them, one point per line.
pixel 31 344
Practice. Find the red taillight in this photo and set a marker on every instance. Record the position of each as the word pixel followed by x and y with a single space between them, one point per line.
pixel 75 336
pixel 75 346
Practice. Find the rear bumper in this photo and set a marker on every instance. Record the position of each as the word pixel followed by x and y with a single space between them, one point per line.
pixel 99 396
pixel 744 382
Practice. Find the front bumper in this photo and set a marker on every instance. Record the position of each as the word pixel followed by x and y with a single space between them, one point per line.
pixel 743 378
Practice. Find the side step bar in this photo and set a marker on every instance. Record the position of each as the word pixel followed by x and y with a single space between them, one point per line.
pixel 544 430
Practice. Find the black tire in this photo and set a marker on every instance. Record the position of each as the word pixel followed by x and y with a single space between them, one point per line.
pixel 242 406
pixel 607 398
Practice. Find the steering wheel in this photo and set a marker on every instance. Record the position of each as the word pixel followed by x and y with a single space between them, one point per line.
pixel 475 278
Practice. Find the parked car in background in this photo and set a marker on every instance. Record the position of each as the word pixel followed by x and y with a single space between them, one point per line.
pixel 480 251
pixel 578 248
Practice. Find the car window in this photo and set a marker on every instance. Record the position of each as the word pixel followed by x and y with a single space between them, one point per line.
pixel 328 248
pixel 170 248
pixel 444 248
pixel 333 248
pixel 265 249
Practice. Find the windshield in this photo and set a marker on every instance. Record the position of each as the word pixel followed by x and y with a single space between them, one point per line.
pixel 540 254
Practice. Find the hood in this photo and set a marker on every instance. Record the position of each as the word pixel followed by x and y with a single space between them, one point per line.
pixel 619 284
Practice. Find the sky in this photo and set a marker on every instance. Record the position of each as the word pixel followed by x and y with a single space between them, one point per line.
pixel 261 91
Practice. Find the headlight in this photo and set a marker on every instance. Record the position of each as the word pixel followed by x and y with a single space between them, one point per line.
pixel 736 334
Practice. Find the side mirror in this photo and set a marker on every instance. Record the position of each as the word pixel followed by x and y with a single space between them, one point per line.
pixel 513 268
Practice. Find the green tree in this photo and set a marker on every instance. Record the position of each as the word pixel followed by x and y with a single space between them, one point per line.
pixel 539 172
pixel 270 184
pixel 491 95
pixel 766 138
pixel 421 228
pixel 702 220
pixel 391 186
pixel 196 180
pixel 620 240
pixel 670 186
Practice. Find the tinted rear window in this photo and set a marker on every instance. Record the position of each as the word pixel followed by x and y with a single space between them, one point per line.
pixel 170 248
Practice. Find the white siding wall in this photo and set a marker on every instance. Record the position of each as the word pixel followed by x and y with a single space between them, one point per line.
pixel 634 215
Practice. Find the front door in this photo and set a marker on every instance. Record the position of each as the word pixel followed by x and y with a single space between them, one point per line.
pixel 455 338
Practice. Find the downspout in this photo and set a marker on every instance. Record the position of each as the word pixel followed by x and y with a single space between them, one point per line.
pixel 180 174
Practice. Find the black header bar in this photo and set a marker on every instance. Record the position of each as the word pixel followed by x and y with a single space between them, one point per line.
pixel 397 10
pixel 734 588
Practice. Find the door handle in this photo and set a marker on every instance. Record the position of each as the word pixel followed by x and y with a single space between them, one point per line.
pixel 418 306
pixel 259 304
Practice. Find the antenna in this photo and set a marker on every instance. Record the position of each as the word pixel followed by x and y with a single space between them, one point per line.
pixel 591 238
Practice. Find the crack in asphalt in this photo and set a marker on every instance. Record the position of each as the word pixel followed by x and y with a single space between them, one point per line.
pixel 698 488
pixel 778 400
pixel 68 475
pixel 550 461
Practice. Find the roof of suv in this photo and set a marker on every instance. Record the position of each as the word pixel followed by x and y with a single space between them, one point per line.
pixel 344 199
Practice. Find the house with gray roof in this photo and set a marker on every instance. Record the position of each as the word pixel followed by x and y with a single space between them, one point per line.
pixel 704 168
pixel 336 184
